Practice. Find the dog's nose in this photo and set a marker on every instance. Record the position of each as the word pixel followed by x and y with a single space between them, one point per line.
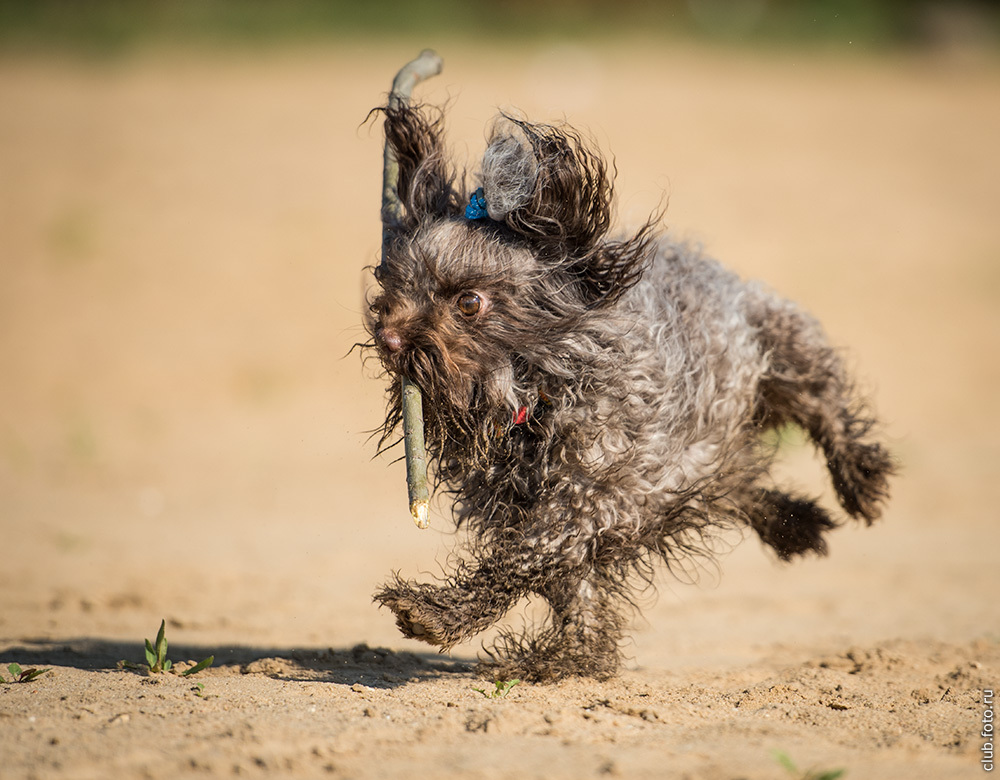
pixel 389 339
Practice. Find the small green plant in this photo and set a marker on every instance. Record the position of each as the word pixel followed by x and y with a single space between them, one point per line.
pixel 204 663
pixel 19 675
pixel 500 689
pixel 156 656
pixel 810 774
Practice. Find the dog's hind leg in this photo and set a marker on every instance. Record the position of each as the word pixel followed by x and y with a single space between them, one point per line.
pixel 806 384
pixel 789 524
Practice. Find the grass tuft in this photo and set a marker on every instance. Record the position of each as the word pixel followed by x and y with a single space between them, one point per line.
pixel 19 675
pixel 500 689
pixel 156 657
pixel 789 766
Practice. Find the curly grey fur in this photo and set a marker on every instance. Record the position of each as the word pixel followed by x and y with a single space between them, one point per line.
pixel 509 171
pixel 647 374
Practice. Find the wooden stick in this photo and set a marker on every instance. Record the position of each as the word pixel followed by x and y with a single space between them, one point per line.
pixel 427 64
pixel 416 454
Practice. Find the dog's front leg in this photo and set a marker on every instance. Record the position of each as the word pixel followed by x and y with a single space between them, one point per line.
pixel 468 602
pixel 483 589
pixel 582 639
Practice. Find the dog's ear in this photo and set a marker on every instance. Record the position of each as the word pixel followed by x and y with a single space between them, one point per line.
pixel 546 184
pixel 426 184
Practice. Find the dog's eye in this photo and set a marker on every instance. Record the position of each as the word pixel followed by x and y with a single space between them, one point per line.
pixel 469 304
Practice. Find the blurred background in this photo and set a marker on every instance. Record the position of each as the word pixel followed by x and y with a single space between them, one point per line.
pixel 113 26
pixel 189 195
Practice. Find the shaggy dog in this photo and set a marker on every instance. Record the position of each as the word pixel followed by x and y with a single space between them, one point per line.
pixel 594 405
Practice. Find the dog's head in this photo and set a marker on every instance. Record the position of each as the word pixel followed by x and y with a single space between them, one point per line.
pixel 476 297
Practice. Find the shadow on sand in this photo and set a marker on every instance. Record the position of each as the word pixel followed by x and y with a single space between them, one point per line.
pixel 372 667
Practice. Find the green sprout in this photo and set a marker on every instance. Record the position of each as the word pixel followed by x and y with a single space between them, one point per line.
pixel 810 774
pixel 20 675
pixel 500 689
pixel 156 656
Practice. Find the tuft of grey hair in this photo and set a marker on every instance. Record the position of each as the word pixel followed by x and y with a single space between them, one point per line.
pixel 509 171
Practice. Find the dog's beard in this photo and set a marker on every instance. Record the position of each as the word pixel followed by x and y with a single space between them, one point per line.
pixel 445 380
pixel 454 370
pixel 467 405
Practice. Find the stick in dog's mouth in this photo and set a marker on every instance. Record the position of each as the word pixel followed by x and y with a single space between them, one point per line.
pixel 427 64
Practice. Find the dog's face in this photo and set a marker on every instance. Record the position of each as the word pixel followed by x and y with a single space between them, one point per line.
pixel 451 312
pixel 470 306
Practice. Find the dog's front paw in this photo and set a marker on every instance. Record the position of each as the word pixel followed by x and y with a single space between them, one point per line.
pixel 420 615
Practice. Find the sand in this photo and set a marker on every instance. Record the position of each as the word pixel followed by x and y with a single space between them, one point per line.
pixel 183 432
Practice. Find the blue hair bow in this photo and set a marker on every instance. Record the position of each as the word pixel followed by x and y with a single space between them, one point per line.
pixel 477 206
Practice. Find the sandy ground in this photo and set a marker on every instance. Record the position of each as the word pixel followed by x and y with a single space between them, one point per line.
pixel 183 435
